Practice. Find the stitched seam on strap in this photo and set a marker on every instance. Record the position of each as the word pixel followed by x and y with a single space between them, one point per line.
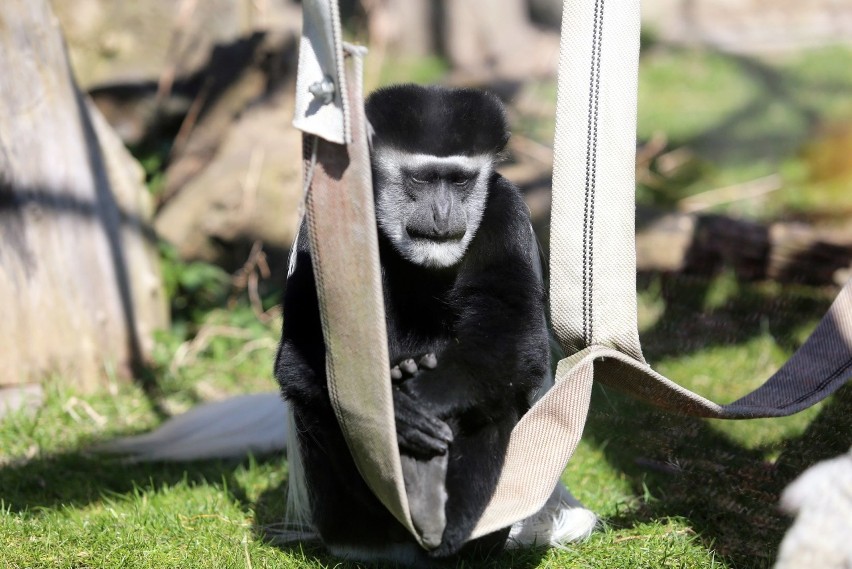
pixel 823 384
pixel 591 165
pixel 316 261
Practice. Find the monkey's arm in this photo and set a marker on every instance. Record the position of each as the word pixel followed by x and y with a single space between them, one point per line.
pixel 495 357
pixel 300 363
pixel 499 352
pixel 300 369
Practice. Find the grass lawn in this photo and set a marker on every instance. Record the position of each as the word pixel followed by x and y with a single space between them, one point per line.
pixel 671 491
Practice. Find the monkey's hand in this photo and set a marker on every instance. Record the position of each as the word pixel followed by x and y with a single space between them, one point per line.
pixel 419 433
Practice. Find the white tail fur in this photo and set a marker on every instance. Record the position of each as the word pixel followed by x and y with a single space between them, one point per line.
pixel 297 515
pixel 231 428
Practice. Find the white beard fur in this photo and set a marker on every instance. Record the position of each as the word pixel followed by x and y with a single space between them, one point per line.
pixel 390 206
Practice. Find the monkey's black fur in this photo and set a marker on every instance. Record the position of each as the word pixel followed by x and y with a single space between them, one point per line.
pixel 483 317
pixel 438 121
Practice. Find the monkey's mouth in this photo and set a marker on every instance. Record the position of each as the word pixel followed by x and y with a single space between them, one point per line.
pixel 435 236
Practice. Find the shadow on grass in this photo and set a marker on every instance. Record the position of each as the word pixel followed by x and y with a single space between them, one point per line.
pixel 726 141
pixel 514 559
pixel 728 493
pixel 78 479
pixel 686 468
pixel 772 123
pixel 745 311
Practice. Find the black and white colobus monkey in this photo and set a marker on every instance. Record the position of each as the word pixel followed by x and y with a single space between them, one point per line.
pixel 459 277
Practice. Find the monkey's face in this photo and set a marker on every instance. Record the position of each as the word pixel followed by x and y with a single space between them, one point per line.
pixel 430 207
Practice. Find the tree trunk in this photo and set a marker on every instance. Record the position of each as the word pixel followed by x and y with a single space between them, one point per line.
pixel 484 39
pixel 79 274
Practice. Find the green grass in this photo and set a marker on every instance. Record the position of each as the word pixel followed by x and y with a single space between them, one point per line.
pixel 743 118
pixel 738 119
pixel 672 491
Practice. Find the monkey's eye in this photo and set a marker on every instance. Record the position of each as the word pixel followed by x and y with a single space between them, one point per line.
pixel 460 180
pixel 423 177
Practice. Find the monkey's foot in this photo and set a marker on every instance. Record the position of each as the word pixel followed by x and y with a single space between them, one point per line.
pixel 561 520
pixel 427 496
pixel 409 367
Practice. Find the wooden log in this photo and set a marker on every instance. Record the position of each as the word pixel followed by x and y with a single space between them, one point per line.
pixel 79 270
pixel 802 254
pixel 781 251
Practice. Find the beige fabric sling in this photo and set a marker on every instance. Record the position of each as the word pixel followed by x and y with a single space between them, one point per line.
pixel 593 271
pixel 341 224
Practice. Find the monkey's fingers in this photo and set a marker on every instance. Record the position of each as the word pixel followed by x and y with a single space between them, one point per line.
pixel 431 427
pixel 420 445
pixel 428 361
pixel 408 367
pixel 396 373
pixel 418 432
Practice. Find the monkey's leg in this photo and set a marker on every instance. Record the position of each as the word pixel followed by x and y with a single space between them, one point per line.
pixel 475 460
pixel 424 479
pixel 343 508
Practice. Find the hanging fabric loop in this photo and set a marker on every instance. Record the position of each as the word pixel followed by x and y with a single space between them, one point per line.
pixel 592 251
pixel 340 219
pixel 593 267
pixel 593 273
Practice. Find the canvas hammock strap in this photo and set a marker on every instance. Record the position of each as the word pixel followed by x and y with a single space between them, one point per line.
pixel 341 223
pixel 593 272
pixel 593 267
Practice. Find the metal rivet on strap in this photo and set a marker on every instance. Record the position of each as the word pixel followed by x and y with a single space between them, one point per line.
pixel 323 91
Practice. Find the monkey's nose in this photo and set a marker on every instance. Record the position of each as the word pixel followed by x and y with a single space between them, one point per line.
pixel 444 227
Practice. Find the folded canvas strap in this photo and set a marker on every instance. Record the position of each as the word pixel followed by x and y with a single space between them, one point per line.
pixel 593 273
pixel 341 223
pixel 593 269
pixel 322 105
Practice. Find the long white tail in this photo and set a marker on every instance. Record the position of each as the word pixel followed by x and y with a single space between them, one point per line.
pixel 259 423
pixel 232 428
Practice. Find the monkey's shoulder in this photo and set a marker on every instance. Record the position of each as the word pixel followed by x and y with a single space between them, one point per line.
pixel 505 227
pixel 506 206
